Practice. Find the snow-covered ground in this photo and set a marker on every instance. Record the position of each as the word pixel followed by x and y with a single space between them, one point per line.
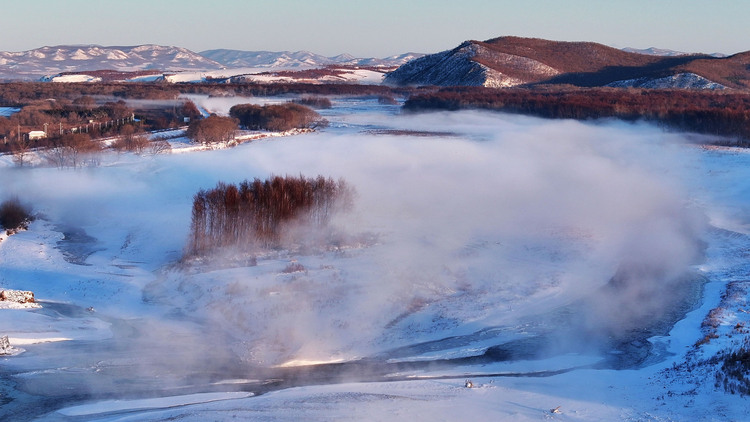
pixel 8 111
pixel 266 75
pixel 482 252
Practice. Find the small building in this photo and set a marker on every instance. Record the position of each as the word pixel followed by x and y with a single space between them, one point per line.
pixel 37 134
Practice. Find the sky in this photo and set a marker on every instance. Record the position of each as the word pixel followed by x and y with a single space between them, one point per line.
pixel 373 28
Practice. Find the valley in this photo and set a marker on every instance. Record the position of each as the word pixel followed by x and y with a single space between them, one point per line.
pixel 439 293
pixel 512 229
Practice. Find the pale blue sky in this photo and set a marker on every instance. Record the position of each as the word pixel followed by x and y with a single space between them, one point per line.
pixel 374 27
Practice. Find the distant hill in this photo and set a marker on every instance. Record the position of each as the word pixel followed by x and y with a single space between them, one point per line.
pixel 653 51
pixel 298 59
pixel 513 61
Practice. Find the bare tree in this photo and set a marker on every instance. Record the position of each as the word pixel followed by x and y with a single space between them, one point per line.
pixel 70 150
pixel 21 150
pixel 159 146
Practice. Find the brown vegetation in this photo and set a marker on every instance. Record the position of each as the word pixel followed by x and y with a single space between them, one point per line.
pixel 257 213
pixel 14 215
pixel 131 140
pixel 277 117
pixel 734 368
pixel 71 150
pixel 583 64
pixel 212 130
pixel 314 102
pixel 726 114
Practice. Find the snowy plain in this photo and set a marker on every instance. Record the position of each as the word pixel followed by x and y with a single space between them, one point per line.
pixel 486 241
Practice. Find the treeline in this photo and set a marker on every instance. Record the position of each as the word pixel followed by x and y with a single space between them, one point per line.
pixel 19 94
pixel 707 112
pixel 314 102
pixel 277 89
pixel 55 115
pixel 276 117
pixel 83 115
pixel 256 214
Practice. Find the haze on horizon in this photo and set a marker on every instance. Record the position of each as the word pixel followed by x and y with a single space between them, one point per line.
pixel 374 28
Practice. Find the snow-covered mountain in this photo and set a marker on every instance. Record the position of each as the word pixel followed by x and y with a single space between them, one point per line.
pixel 511 61
pixel 654 51
pixel 298 59
pixel 33 64
pixel 678 81
pixel 466 65
pixel 51 61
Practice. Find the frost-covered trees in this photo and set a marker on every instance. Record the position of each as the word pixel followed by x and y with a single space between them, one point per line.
pixel 256 213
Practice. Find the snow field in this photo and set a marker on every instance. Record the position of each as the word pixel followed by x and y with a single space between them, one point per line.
pixel 490 229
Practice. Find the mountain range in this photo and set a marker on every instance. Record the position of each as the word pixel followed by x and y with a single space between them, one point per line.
pixel 298 59
pixel 498 62
pixel 50 61
pixel 33 64
pixel 513 61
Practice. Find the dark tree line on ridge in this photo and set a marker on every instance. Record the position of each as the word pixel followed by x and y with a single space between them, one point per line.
pixel 257 213
pixel 714 113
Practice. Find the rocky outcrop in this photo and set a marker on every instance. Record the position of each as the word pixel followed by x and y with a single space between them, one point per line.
pixel 5 347
pixel 17 296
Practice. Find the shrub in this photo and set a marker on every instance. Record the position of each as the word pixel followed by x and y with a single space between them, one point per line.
pixel 293 267
pixel 14 215
pixel 387 100
pixel 314 102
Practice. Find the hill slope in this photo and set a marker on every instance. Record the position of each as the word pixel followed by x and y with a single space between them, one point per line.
pixel 511 61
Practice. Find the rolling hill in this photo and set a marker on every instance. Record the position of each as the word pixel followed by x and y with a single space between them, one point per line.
pixel 513 61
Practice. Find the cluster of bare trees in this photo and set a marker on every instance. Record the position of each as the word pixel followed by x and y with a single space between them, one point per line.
pixel 57 117
pixel 131 140
pixel 71 150
pixel 257 213
pixel 213 129
pixel 276 117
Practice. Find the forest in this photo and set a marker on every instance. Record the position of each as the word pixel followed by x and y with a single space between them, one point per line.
pixel 100 109
pixel 706 112
pixel 271 213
